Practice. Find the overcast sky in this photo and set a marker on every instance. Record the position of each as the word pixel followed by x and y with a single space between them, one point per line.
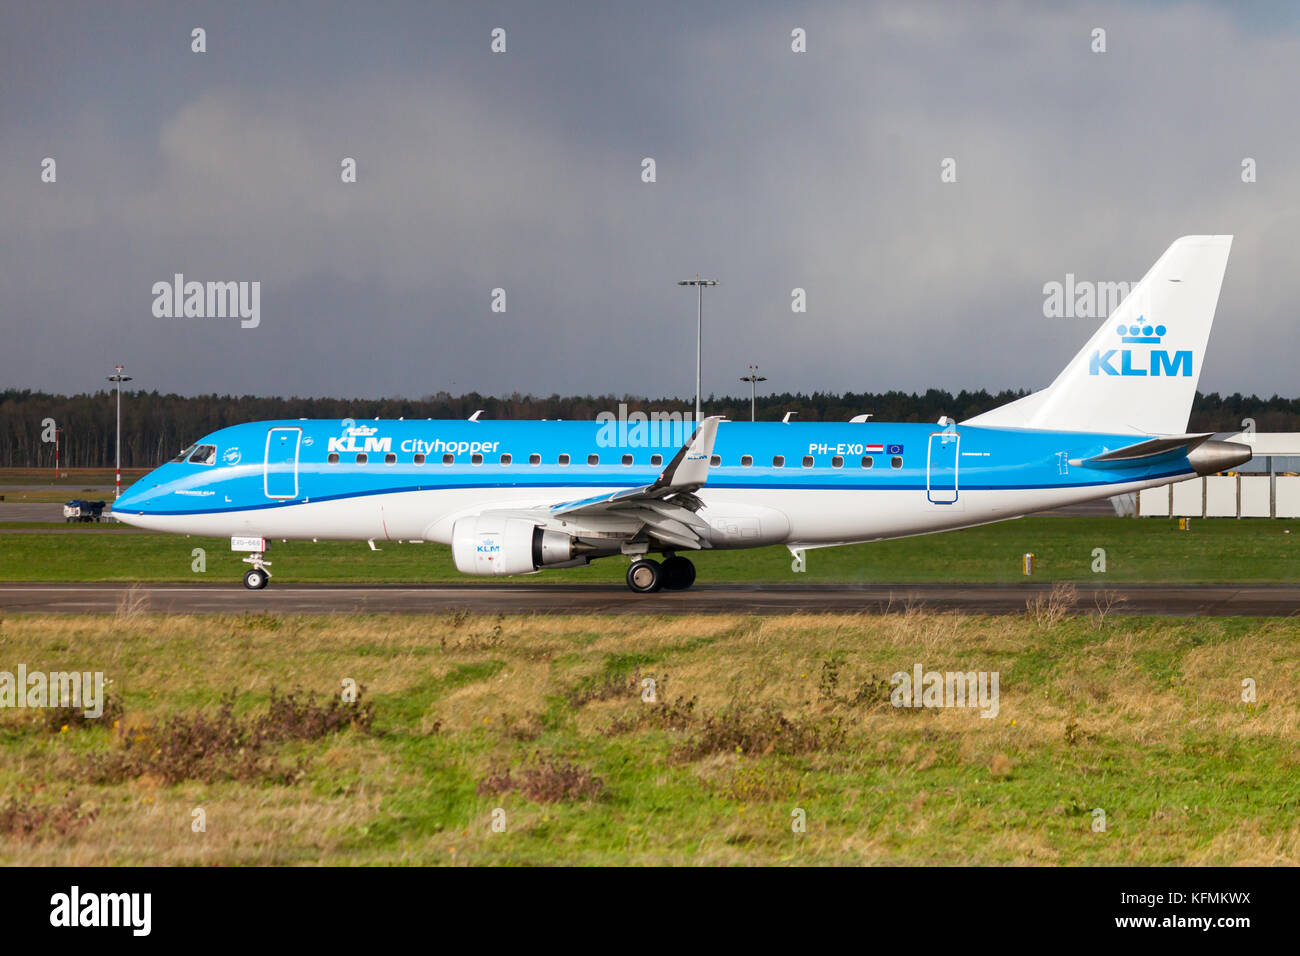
pixel 523 171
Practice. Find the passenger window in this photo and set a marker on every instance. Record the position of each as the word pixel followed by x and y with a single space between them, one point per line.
pixel 896 462
pixel 627 459
pixel 868 462
pixel 390 459
pixel 448 459
pixel 534 459
pixel 334 458
pixel 564 459
pixel 593 459
pixel 419 459
pixel 204 455
pixel 837 462
pixel 746 461
pixel 656 460
pixel 507 458
pixel 362 458
pixel 778 461
pixel 807 461
pixel 715 461
pixel 476 459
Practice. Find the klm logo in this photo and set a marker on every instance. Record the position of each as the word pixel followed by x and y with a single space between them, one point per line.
pixel 1124 361
pixel 361 438
pixel 488 546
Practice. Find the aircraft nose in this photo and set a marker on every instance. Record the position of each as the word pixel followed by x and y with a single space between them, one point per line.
pixel 136 492
pixel 126 499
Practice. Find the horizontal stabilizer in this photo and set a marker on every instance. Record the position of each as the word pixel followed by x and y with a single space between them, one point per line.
pixel 1143 452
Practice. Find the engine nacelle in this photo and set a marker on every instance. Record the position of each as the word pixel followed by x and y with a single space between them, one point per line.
pixel 487 544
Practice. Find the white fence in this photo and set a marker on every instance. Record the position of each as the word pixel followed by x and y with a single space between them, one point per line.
pixel 1224 496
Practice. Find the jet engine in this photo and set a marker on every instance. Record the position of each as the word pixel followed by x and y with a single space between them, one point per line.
pixel 491 544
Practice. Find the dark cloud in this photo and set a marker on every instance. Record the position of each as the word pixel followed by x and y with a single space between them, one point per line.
pixel 522 171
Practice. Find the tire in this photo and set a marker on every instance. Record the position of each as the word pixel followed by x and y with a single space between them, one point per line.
pixel 645 576
pixel 679 573
pixel 255 579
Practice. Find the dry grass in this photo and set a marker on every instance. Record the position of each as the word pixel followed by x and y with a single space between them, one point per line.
pixel 753 719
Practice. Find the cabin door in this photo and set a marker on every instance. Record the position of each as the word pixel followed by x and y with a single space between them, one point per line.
pixel 941 468
pixel 280 477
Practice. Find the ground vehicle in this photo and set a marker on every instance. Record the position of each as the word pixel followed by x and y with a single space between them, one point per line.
pixel 78 509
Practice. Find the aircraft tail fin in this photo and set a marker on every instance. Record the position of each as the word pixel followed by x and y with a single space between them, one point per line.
pixel 1138 372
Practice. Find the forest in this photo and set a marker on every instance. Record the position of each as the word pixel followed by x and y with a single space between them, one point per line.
pixel 156 426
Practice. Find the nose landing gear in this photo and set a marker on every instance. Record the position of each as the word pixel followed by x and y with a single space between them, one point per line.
pixel 256 577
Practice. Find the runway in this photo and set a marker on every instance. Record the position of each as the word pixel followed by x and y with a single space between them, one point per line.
pixel 1176 601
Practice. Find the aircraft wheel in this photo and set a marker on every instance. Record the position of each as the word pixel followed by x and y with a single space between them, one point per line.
pixel 255 579
pixel 645 576
pixel 679 573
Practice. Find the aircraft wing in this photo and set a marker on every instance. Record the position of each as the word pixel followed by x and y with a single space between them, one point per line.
pixel 663 510
pixel 686 473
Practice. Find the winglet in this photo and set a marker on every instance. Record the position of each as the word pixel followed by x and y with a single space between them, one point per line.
pixel 689 468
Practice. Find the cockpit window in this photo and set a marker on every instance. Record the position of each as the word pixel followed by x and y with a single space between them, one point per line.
pixel 204 455
pixel 185 453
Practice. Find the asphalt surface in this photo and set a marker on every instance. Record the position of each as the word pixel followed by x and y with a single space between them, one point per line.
pixel 31 511
pixel 1176 601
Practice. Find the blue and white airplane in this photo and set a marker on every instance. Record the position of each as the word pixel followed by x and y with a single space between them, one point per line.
pixel 515 497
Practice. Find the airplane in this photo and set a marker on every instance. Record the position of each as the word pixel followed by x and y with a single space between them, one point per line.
pixel 517 497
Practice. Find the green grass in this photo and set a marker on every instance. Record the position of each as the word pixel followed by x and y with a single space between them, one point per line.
pixel 1142 718
pixel 74 478
pixel 1145 550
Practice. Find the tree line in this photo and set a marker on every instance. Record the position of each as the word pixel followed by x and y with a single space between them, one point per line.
pixel 155 426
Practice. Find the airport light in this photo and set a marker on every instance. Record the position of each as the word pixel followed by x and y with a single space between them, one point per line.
pixel 752 378
pixel 699 332
pixel 119 378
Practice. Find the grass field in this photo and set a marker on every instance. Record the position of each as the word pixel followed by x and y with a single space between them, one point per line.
pixel 538 724
pixel 1148 550
pixel 73 478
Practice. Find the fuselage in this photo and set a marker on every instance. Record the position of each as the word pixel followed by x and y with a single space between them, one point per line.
pixel 804 484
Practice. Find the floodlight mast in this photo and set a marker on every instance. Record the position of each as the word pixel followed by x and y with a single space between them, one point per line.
pixel 752 378
pixel 119 378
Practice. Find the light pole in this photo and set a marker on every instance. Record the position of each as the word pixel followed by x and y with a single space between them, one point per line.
pixel 699 332
pixel 119 378
pixel 752 378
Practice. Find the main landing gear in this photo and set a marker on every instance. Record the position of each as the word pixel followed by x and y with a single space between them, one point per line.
pixel 646 576
pixel 256 577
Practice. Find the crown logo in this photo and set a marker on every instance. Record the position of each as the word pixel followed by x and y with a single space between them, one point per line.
pixel 1140 332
